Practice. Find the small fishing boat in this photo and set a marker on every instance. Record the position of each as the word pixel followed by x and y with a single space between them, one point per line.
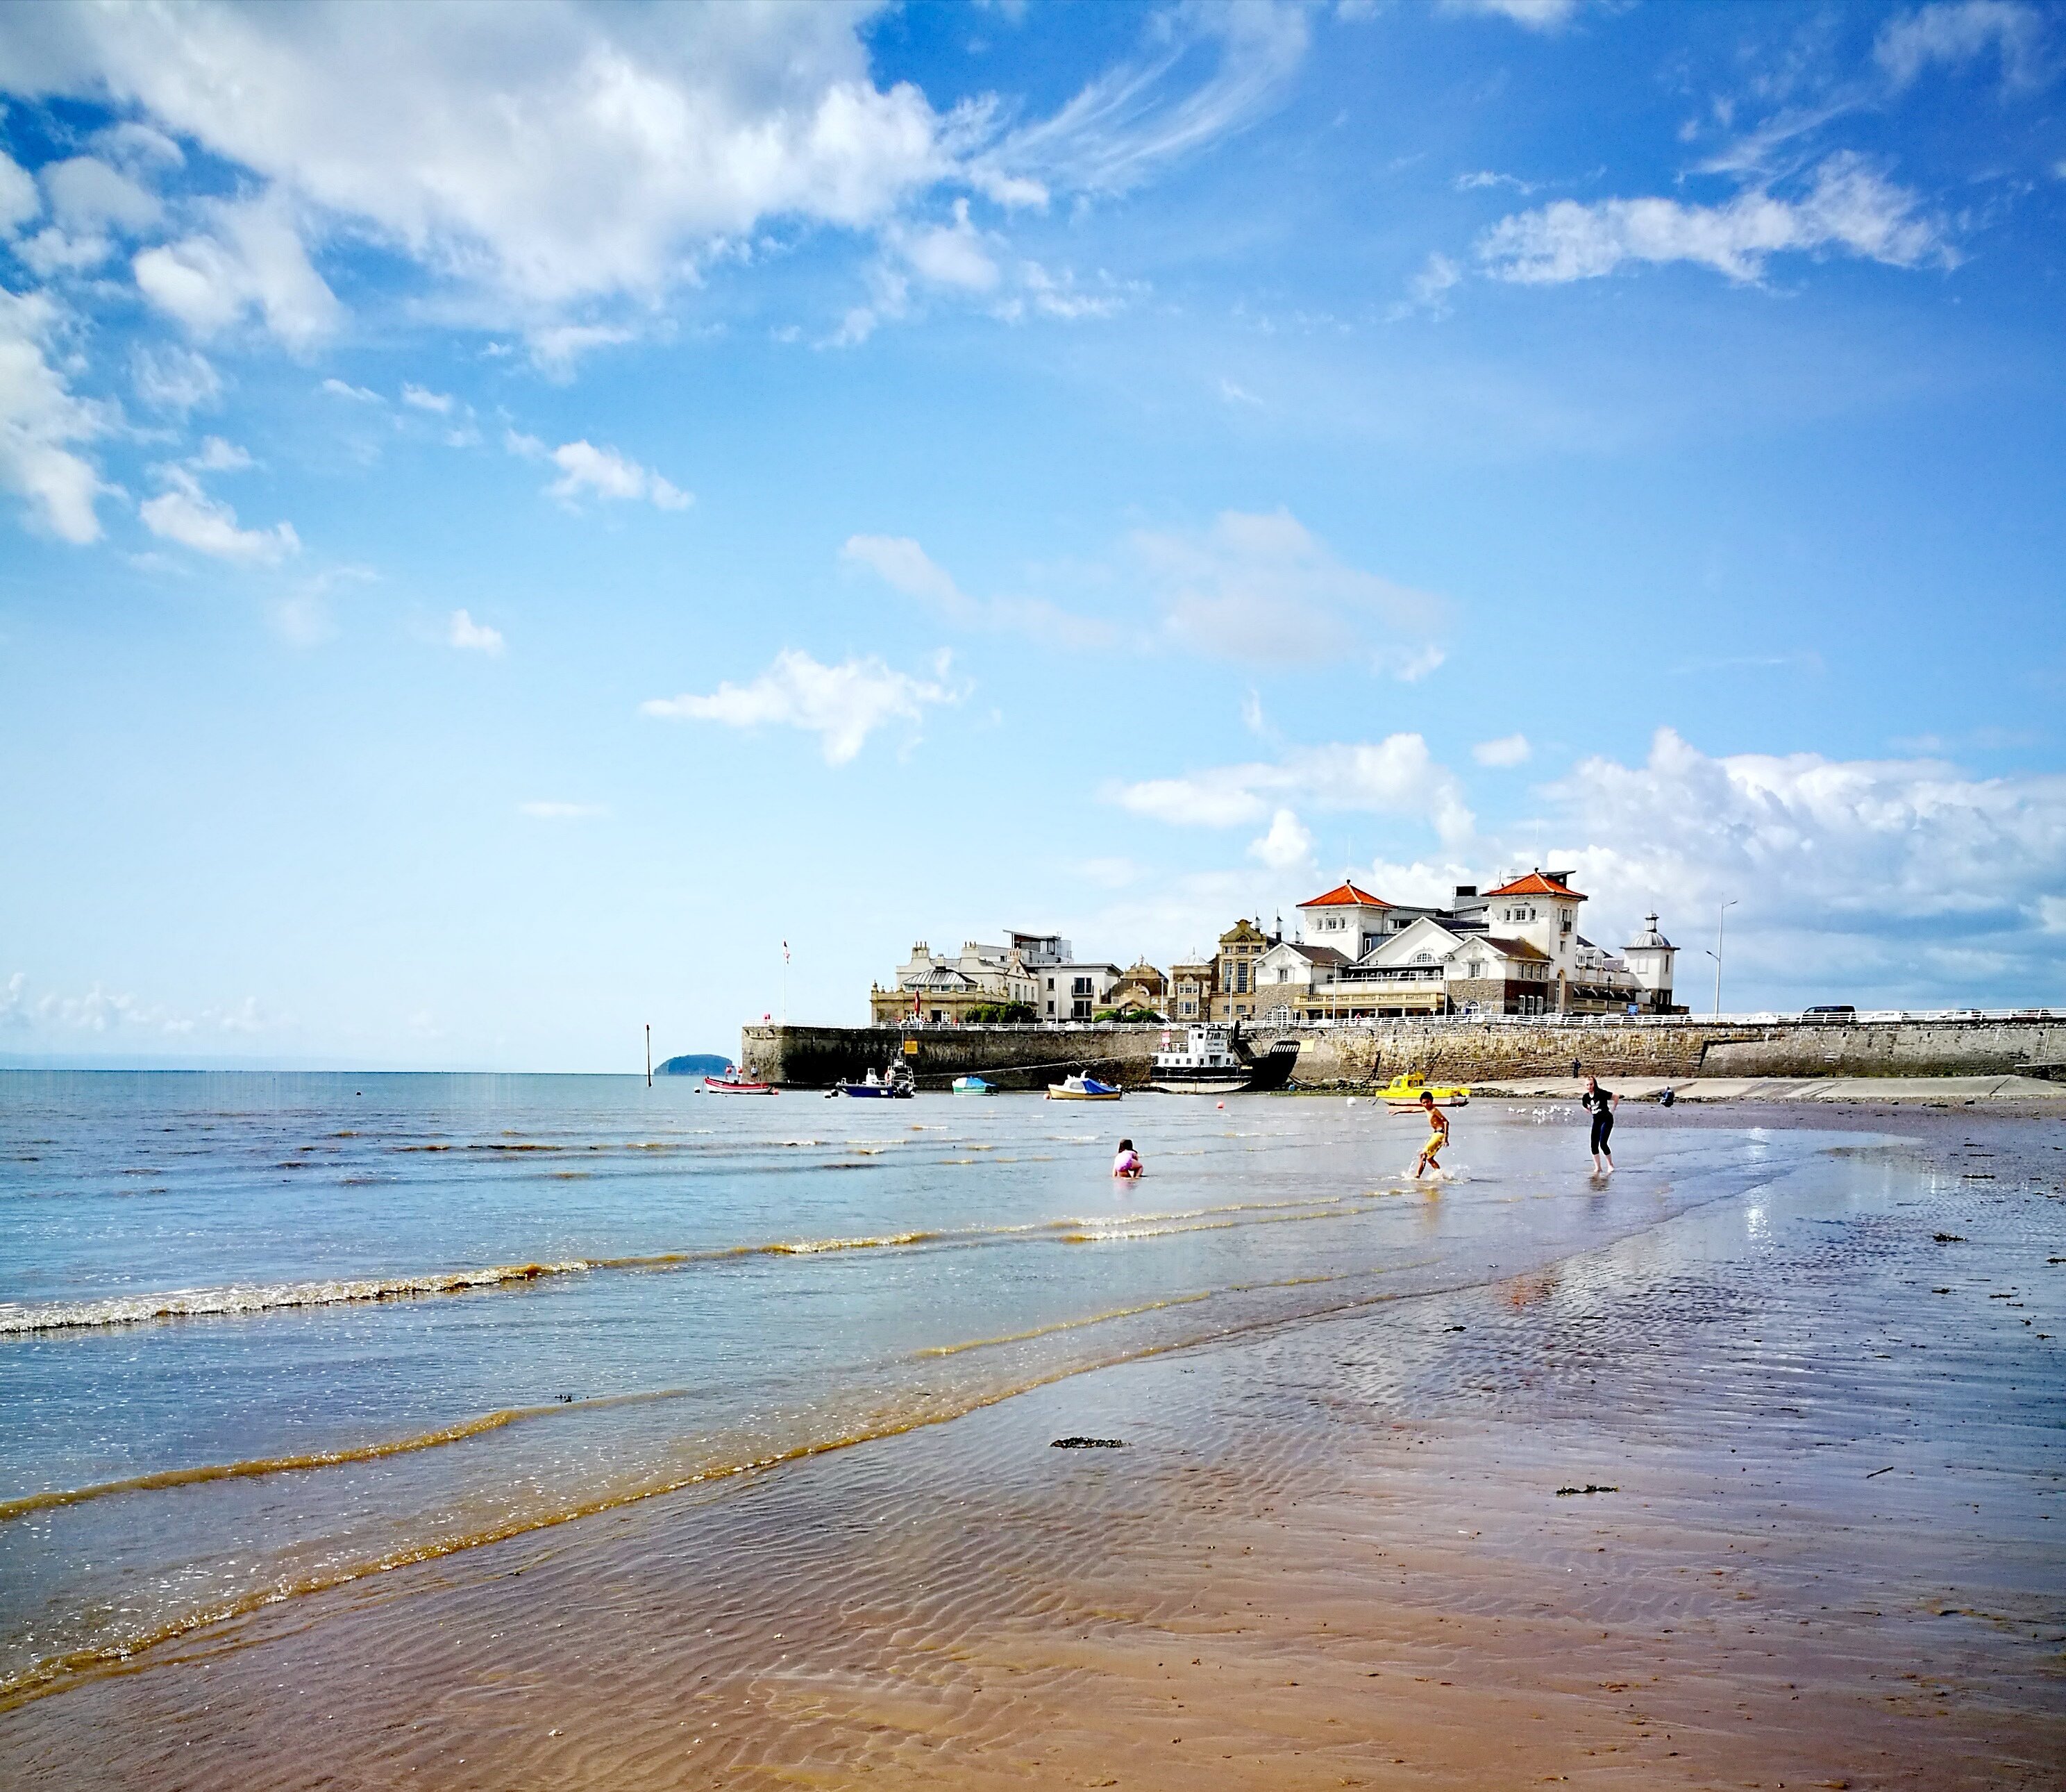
pixel 1405 1091
pixel 1082 1088
pixel 896 1084
pixel 974 1085
pixel 731 1083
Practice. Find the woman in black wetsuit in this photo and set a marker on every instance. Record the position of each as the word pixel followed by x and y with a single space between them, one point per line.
pixel 1600 1103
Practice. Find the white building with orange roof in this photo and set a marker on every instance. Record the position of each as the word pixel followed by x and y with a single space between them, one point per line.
pixel 1350 921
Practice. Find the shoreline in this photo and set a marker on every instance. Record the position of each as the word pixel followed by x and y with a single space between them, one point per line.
pixel 1340 1552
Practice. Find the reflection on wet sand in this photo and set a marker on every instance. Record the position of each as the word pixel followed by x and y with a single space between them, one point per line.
pixel 1330 1553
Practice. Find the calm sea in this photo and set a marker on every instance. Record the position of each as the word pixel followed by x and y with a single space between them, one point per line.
pixel 262 1334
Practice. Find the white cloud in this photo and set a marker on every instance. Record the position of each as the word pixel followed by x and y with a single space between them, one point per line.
pixel 465 633
pixel 1123 127
pixel 586 470
pixel 1429 289
pixel 103 1010
pixel 1486 177
pixel 1397 776
pixel 1287 845
pixel 169 378
pixel 1262 586
pixel 1510 749
pixel 42 420
pixel 251 259
pixel 953 255
pixel 1410 668
pixel 358 395
pixel 421 399
pixel 555 347
pixel 188 515
pixel 550 811
pixel 20 201
pixel 841 704
pixel 86 194
pixel 900 563
pixel 1954 33
pixel 1537 15
pixel 219 457
pixel 555 152
pixel 1897 879
pixel 1237 394
pixel 1848 208
pixel 905 567
pixel 54 252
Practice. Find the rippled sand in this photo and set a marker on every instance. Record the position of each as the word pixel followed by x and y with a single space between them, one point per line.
pixel 1822 1428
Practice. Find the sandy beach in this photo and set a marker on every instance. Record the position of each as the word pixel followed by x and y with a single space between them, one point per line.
pixel 1768 1495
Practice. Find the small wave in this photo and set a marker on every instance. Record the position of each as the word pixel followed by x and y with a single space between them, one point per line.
pixel 138 1309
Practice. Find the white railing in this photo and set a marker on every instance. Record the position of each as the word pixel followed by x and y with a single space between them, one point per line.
pixel 1766 1017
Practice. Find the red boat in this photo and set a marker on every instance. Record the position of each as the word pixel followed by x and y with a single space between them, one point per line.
pixel 731 1083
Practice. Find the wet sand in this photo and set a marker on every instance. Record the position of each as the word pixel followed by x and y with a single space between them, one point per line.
pixel 1823 1429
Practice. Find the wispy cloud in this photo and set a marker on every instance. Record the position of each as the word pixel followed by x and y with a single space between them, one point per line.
pixel 1956 33
pixel 186 514
pixel 469 636
pixel 1509 750
pixel 1123 127
pixel 1848 208
pixel 1397 776
pixel 843 704
pixel 902 564
pixel 586 471
pixel 1260 585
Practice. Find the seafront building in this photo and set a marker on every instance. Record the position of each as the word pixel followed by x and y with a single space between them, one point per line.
pixel 1513 949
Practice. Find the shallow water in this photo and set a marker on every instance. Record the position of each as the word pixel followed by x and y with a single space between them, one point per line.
pixel 261 1335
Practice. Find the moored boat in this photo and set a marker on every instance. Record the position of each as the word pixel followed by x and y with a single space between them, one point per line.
pixel 1205 1064
pixel 974 1085
pixel 1405 1091
pixel 731 1083
pixel 896 1084
pixel 1082 1088
pixel 1212 1060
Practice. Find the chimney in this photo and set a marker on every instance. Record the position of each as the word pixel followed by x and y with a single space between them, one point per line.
pixel 1464 889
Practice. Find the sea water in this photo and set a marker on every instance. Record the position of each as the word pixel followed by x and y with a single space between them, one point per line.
pixel 262 1335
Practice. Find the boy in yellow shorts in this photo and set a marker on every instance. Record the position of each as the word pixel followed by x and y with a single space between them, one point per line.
pixel 1438 1135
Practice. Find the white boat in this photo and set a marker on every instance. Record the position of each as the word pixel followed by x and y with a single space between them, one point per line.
pixel 974 1085
pixel 731 1083
pixel 1205 1064
pixel 1082 1088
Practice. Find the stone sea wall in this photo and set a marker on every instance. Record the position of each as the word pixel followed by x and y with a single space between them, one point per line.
pixel 1021 1057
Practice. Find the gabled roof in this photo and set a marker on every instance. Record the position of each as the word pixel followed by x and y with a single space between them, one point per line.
pixel 1535 884
pixel 1508 948
pixel 1346 895
pixel 1313 955
pixel 1242 933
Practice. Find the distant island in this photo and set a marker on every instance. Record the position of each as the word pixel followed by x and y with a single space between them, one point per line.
pixel 694 1064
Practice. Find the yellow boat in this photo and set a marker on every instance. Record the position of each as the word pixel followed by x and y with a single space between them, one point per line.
pixel 1405 1091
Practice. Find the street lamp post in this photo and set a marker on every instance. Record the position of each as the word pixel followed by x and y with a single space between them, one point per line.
pixel 1721 921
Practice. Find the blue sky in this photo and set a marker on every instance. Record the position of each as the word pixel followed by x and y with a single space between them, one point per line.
pixel 506 515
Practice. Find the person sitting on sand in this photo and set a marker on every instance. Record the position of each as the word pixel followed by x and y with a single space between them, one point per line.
pixel 1128 1163
pixel 1438 1135
pixel 1600 1103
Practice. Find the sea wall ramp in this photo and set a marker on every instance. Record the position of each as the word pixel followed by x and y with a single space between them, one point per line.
pixel 1031 1057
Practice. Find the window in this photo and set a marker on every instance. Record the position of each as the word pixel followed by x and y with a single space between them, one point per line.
pixel 1082 987
pixel 1240 979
